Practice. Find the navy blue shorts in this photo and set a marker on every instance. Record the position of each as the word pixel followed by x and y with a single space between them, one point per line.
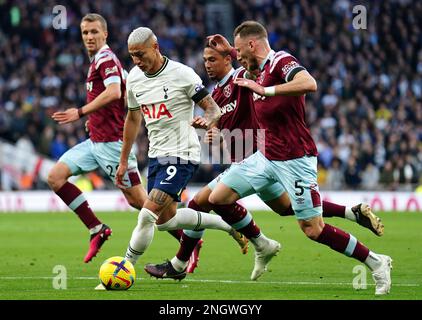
pixel 170 175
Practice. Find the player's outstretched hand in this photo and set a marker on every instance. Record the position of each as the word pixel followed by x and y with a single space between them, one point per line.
pixel 252 85
pixel 120 173
pixel 219 43
pixel 212 136
pixel 67 116
pixel 199 122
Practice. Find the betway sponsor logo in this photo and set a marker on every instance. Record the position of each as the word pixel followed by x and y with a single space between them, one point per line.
pixel 228 107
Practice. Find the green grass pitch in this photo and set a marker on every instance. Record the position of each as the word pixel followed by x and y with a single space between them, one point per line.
pixel 33 244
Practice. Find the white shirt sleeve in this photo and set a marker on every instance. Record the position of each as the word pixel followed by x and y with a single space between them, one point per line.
pixel 132 104
pixel 190 81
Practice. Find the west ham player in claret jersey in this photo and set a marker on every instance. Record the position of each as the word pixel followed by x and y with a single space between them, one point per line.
pixel 106 112
pixel 239 128
pixel 288 154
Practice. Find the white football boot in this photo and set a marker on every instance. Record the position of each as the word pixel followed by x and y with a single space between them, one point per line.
pixel 382 275
pixel 263 257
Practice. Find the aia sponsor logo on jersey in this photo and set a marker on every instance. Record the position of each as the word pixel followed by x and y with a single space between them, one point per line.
pixel 228 107
pixel 227 91
pixel 154 112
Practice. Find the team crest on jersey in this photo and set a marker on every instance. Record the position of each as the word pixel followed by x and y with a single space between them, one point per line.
pixel 227 91
pixel 165 89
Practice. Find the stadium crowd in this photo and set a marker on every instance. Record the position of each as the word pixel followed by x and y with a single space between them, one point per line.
pixel 366 116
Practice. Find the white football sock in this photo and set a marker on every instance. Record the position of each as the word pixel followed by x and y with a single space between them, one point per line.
pixel 96 229
pixel 178 264
pixel 349 215
pixel 373 261
pixel 142 235
pixel 260 241
pixel 190 219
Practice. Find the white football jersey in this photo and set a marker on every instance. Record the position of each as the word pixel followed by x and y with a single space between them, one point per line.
pixel 165 99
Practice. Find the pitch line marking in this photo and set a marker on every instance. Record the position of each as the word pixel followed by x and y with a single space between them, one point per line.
pixel 222 281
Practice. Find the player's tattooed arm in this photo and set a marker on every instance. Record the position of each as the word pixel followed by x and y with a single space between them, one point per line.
pixel 212 114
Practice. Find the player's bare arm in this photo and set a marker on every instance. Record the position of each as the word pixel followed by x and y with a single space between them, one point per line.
pixel 212 114
pixel 110 94
pixel 301 84
pixel 130 131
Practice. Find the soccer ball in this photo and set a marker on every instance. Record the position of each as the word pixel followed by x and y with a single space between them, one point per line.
pixel 117 273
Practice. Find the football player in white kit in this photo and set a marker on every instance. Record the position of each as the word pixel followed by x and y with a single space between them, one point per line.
pixel 165 92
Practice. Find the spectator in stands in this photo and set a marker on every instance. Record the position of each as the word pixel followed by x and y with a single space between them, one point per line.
pixel 387 179
pixel 352 174
pixel 335 176
pixel 370 177
pixel 58 146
